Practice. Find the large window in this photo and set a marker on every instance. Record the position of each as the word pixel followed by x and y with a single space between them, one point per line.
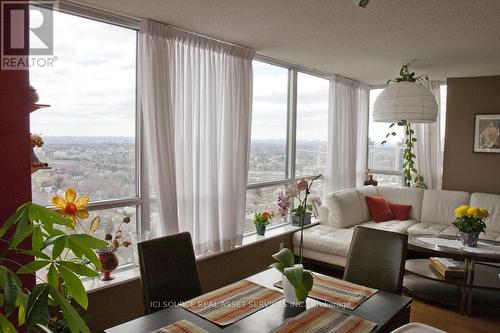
pixel 289 134
pixel 269 123
pixel 312 128
pixel 90 128
pixel 385 162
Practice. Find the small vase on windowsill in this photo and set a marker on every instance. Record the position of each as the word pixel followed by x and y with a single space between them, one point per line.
pixel 109 262
pixel 296 219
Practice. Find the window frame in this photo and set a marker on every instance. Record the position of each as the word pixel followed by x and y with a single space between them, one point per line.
pixel 141 199
pixel 291 128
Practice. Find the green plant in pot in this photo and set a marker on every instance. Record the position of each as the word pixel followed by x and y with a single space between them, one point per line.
pixel 66 257
pixel 412 178
pixel 297 281
pixel 470 223
pixel 261 220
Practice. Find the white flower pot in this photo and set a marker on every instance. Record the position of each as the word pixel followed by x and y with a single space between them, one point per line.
pixel 290 297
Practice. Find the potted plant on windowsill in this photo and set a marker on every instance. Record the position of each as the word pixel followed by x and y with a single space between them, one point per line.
pixel 470 223
pixel 261 220
pixel 297 282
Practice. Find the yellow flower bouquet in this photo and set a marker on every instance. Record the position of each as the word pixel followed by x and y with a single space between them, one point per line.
pixel 470 223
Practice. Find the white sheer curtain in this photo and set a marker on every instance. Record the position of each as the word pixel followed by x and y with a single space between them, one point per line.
pixel 347 133
pixel 428 147
pixel 197 99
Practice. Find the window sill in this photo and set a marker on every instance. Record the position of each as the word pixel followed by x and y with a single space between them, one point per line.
pixel 130 272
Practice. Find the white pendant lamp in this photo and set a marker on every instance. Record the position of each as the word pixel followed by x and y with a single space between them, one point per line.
pixel 409 101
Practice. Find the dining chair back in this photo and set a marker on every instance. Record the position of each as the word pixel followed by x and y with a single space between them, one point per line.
pixel 376 259
pixel 169 274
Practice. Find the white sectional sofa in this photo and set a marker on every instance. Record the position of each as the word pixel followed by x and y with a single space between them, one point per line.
pixel 432 213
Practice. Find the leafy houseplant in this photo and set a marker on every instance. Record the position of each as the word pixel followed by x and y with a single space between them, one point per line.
pixel 470 223
pixel 261 220
pixel 410 172
pixel 297 282
pixel 67 258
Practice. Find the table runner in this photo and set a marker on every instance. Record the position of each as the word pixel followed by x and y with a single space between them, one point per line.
pixel 337 292
pixel 182 326
pixel 229 304
pixel 322 319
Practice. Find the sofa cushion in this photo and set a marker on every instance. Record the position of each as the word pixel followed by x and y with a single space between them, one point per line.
pixel 345 208
pixel 492 203
pixel 379 208
pixel 438 206
pixel 326 239
pixel 364 191
pixel 432 229
pixel 401 212
pixel 490 235
pixel 405 196
pixel 394 225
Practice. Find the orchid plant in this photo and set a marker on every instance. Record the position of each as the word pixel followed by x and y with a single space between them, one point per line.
pixel 299 278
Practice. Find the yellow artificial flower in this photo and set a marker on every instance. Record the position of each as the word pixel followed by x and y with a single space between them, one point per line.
pixel 461 211
pixel 72 207
pixel 474 211
pixel 484 213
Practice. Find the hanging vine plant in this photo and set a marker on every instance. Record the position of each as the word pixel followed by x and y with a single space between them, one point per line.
pixel 410 173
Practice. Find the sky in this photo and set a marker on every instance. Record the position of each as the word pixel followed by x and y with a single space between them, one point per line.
pixel 91 88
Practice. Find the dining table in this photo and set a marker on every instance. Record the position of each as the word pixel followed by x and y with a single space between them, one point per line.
pixel 387 310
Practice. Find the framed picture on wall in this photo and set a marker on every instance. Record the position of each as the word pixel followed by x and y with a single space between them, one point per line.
pixel 487 133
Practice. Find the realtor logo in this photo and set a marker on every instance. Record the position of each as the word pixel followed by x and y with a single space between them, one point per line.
pixel 27 34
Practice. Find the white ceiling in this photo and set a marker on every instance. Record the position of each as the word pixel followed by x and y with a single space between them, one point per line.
pixel 449 38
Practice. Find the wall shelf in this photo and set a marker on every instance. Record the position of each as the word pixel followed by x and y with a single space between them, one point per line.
pixel 35 107
pixel 35 169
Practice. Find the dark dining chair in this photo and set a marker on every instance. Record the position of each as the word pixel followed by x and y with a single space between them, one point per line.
pixel 376 259
pixel 169 274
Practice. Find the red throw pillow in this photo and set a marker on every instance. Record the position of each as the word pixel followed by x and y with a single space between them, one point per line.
pixel 379 209
pixel 400 212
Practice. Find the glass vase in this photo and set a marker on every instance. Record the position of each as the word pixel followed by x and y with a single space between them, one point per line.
pixel 109 262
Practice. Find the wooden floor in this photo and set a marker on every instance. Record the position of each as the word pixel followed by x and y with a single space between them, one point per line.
pixel 450 320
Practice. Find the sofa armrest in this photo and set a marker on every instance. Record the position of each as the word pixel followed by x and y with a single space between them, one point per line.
pixel 323 214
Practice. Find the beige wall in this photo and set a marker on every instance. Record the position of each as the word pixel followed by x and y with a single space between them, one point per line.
pixel 115 305
pixel 463 169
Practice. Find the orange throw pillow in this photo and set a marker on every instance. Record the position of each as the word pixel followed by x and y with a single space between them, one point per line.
pixel 400 212
pixel 379 209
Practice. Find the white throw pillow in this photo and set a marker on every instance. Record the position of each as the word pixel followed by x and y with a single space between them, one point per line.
pixel 345 208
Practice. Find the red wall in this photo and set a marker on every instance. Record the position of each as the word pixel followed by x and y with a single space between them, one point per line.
pixel 15 148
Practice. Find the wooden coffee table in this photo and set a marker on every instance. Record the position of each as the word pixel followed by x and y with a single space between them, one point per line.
pixel 477 274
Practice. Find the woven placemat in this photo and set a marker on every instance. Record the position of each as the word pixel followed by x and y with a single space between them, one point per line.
pixel 337 292
pixel 182 326
pixel 229 304
pixel 322 319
